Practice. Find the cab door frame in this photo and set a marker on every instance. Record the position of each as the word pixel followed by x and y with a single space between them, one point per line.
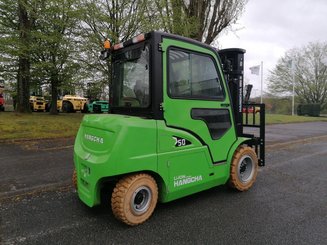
pixel 190 114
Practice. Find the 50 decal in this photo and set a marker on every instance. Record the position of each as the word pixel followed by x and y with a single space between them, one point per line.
pixel 181 141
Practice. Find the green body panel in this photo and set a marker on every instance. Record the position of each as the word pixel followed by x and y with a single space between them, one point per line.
pixel 177 112
pixel 111 145
pixel 189 169
pixel 180 162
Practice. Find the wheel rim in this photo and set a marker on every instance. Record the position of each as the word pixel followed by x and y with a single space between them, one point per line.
pixel 245 169
pixel 140 201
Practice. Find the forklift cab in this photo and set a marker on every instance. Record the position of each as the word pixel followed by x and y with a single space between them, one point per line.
pixel 187 84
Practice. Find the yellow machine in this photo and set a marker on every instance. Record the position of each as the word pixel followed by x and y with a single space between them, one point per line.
pixel 37 103
pixel 71 103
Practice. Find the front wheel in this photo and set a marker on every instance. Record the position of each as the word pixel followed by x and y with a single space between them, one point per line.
pixel 134 199
pixel 244 168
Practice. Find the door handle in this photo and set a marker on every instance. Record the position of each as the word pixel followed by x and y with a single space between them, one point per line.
pixel 224 105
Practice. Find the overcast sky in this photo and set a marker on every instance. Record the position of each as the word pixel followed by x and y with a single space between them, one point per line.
pixel 271 27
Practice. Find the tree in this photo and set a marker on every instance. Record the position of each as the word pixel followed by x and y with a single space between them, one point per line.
pixel 118 20
pixel 8 40
pixel 38 45
pixel 26 23
pixel 17 19
pixel 54 61
pixel 202 20
pixel 310 74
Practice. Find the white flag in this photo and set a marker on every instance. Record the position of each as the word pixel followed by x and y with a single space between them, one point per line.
pixel 290 64
pixel 255 70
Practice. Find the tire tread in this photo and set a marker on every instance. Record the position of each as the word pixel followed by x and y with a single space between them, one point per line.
pixel 233 180
pixel 119 193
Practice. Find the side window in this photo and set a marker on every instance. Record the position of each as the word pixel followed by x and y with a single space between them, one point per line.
pixel 193 75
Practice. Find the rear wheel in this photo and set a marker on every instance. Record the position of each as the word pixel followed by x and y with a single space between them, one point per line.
pixel 67 107
pixel 244 168
pixel 134 199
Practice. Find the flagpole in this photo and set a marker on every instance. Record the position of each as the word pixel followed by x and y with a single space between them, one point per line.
pixel 261 79
pixel 293 90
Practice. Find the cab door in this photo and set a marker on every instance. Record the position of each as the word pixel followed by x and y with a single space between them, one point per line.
pixel 195 96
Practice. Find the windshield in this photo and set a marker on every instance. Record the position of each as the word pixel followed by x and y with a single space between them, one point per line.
pixel 131 78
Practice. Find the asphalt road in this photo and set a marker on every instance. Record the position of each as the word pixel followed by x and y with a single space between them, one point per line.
pixel 287 205
pixel 279 133
pixel 32 165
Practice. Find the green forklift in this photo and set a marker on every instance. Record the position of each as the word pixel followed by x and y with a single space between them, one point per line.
pixel 175 127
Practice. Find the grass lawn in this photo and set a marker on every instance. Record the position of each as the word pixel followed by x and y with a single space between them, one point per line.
pixel 38 125
pixel 43 125
pixel 276 118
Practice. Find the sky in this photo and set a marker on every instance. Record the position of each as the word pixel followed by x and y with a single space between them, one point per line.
pixel 268 28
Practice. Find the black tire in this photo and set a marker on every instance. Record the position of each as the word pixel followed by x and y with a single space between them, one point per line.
pixel 85 108
pixel 67 107
pixel 97 108
pixel 134 199
pixel 243 169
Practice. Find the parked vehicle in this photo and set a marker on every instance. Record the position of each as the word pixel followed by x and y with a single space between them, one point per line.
pixel 2 103
pixel 174 128
pixel 97 106
pixel 250 109
pixel 37 103
pixel 71 103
